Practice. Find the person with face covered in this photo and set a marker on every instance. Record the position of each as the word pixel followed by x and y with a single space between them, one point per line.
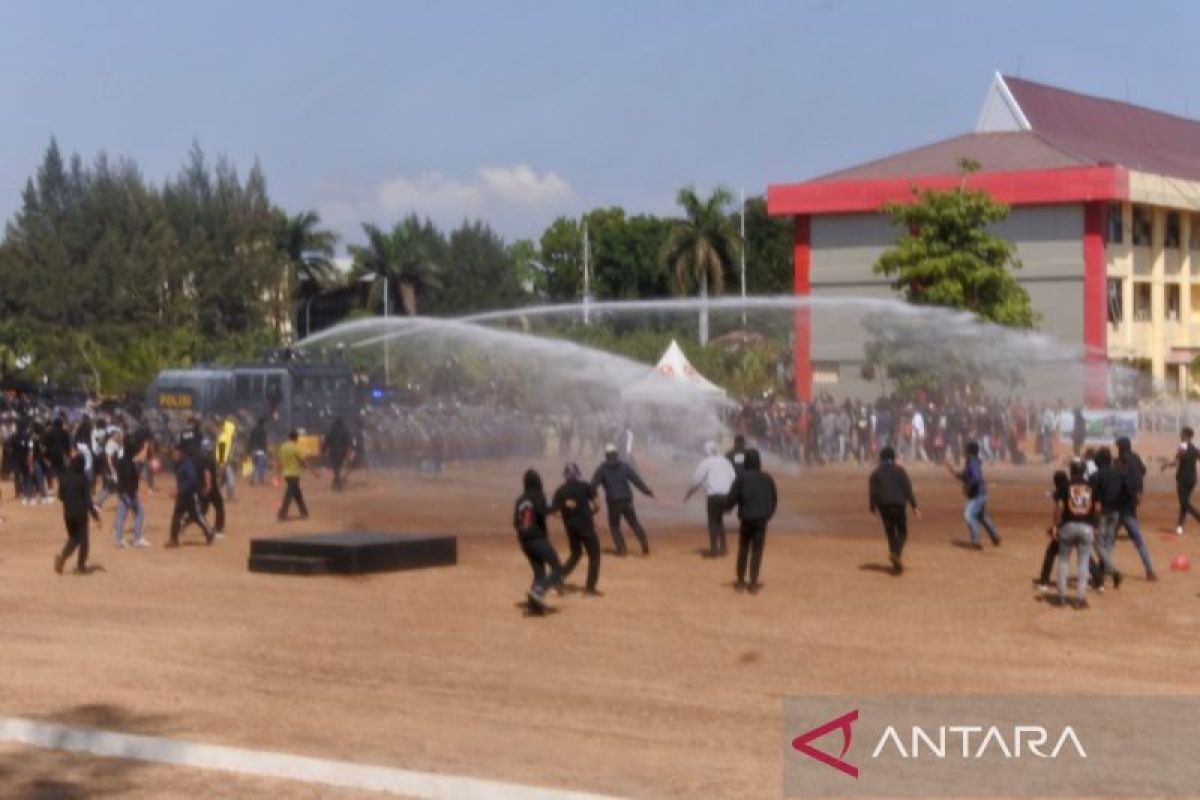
pixel 617 478
pixel 576 501
pixel 715 473
pixel 529 521
pixel 753 494
pixel 75 493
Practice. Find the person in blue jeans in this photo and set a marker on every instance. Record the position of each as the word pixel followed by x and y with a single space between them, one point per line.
pixel 1131 466
pixel 975 488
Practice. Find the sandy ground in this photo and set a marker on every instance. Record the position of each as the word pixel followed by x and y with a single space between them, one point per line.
pixel 668 686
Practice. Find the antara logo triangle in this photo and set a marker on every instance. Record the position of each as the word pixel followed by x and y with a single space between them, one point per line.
pixel 803 743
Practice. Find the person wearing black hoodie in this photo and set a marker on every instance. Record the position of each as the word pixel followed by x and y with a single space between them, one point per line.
pixel 187 497
pixel 891 494
pixel 336 448
pixel 1130 465
pixel 529 520
pixel 1109 485
pixel 616 477
pixel 74 490
pixel 753 495
pixel 576 501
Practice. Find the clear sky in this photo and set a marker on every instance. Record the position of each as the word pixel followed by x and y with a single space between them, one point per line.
pixel 517 111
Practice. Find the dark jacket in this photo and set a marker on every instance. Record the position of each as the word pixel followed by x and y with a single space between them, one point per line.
pixel 753 492
pixel 890 486
pixel 616 476
pixel 337 442
pixel 187 479
pixel 1133 469
pixel 574 501
pixel 127 476
pixel 1111 489
pixel 529 512
pixel 76 496
pixel 257 440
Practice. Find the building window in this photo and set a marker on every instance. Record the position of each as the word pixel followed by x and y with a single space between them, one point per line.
pixel 1173 302
pixel 1115 311
pixel 825 374
pixel 1172 234
pixel 1141 226
pixel 1116 228
pixel 1141 302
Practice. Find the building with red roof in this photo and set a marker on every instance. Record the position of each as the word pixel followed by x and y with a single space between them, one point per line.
pixel 1105 200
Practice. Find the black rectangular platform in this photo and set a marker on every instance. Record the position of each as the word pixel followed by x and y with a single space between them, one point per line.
pixel 353 553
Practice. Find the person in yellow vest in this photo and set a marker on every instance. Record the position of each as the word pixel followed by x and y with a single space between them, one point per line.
pixel 290 464
pixel 224 454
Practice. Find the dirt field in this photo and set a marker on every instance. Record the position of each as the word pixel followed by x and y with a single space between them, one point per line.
pixel 668 686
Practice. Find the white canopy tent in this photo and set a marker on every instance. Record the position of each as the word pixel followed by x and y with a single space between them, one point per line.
pixel 673 380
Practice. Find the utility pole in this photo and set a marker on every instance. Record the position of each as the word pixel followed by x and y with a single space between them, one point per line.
pixel 387 350
pixel 587 275
pixel 743 250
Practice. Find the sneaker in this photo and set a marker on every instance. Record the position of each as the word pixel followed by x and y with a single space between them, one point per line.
pixel 976 546
pixel 141 543
pixel 219 534
pixel 58 563
pixel 1081 605
pixel 593 593
pixel 1179 531
pixel 897 565
pixel 47 500
pixel 171 544
pixel 1041 585
pixel 1098 588
pixel 208 538
pixel 995 541
pixel 755 588
pixel 1151 577
pixel 740 586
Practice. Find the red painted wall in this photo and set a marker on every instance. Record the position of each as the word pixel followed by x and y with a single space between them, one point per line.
pixel 1095 304
pixel 802 259
pixel 1023 187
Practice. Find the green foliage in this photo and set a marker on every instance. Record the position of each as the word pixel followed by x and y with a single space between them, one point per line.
pixel 703 244
pixel 769 267
pixel 410 256
pixel 946 256
pixel 104 278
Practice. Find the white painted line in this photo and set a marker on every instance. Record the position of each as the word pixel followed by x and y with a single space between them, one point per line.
pixel 424 785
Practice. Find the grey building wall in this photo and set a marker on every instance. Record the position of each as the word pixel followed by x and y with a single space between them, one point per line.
pixel 1049 241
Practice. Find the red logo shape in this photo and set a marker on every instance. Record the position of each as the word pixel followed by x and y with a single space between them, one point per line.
pixel 802 743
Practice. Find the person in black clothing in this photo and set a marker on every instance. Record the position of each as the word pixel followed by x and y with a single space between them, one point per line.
pixel 753 495
pixel 1078 432
pixel 256 443
pixel 57 446
pixel 891 493
pixel 336 448
pixel 1111 493
pixel 76 497
pixel 128 501
pixel 191 437
pixel 529 520
pixel 187 497
pixel 210 486
pixel 1185 477
pixel 1058 495
pixel 616 477
pixel 576 501
pixel 1130 465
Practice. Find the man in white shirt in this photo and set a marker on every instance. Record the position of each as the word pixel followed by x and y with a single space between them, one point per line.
pixel 716 474
pixel 918 436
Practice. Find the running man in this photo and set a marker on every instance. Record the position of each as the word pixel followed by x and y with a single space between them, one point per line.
pixel 975 488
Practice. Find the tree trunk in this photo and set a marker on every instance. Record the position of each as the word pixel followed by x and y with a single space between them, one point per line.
pixel 408 298
pixel 704 308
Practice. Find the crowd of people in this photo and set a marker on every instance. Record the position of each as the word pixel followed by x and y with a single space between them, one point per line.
pixel 826 431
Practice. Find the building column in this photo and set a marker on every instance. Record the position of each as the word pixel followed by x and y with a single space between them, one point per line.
pixel 1127 320
pixel 802 264
pixel 1095 305
pixel 1158 306
pixel 1185 294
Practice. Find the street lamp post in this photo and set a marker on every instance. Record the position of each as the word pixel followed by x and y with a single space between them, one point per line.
pixel 387 369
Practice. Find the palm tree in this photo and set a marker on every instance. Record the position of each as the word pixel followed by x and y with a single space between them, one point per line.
pixel 701 246
pixel 309 253
pixel 405 256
